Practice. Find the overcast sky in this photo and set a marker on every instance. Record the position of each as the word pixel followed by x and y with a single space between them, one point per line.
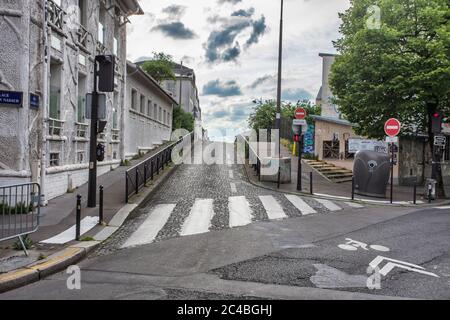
pixel 233 47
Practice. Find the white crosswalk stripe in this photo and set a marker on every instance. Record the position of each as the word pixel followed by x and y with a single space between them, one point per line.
pixel 199 219
pixel 354 205
pixel 443 208
pixel 69 235
pixel 301 205
pixel 148 231
pixel 201 214
pixel 240 212
pixel 273 208
pixel 328 204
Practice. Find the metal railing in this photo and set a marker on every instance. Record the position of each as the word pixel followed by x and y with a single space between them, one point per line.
pixel 252 155
pixel 19 211
pixel 137 177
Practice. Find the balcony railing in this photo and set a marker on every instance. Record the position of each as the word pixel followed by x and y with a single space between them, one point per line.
pixel 55 15
pixel 83 36
pixel 101 49
pixel 82 129
pixel 55 127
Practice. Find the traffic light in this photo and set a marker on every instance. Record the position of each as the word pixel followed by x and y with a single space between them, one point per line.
pixel 106 66
pixel 100 152
pixel 436 122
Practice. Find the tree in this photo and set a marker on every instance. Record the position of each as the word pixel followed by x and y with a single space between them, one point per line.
pixel 264 112
pixel 160 67
pixel 400 68
pixel 182 119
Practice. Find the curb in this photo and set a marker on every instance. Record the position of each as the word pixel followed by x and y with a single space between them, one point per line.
pixel 339 198
pixel 76 252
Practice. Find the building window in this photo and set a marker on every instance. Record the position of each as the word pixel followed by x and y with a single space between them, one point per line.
pixel 101 25
pixel 168 118
pixel 149 108
pixel 82 10
pixel 164 117
pixel 160 114
pixel 81 99
pixel 155 111
pixel 114 119
pixel 142 105
pixel 133 99
pixel 81 157
pixel 54 159
pixel 115 46
pixel 55 91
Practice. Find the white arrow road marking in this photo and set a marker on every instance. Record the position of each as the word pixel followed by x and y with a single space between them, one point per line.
pixel 328 204
pixel 240 212
pixel 148 231
pixel 231 173
pixel 401 264
pixel 69 235
pixel 301 205
pixel 199 220
pixel 273 208
pixel 233 187
pixel 354 205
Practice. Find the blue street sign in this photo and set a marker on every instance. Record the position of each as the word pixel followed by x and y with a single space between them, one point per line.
pixel 11 98
pixel 34 101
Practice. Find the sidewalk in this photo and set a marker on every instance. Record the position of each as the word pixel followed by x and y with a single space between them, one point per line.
pixel 324 187
pixel 59 215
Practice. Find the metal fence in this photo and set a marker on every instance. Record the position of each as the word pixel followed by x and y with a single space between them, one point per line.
pixel 140 174
pixel 19 210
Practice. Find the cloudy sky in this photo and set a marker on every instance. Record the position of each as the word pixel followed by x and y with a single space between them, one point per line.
pixel 233 47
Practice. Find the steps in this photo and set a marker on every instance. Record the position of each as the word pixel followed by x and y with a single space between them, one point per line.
pixel 331 172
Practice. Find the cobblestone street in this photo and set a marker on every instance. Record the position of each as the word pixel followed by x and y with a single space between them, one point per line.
pixel 224 186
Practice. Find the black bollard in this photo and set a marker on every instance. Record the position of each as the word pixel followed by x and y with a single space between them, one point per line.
pixel 100 207
pixel 78 219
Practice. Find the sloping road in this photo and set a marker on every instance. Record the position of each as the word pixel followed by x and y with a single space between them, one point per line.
pixel 207 233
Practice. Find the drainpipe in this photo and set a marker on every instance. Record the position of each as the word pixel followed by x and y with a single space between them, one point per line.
pixel 44 103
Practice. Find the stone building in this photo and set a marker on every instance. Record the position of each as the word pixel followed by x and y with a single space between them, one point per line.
pixel 47 63
pixel 148 113
pixel 183 89
pixel 332 131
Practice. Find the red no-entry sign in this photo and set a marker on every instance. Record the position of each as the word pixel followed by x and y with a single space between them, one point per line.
pixel 300 114
pixel 392 127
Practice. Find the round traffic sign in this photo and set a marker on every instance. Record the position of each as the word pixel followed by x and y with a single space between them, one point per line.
pixel 392 127
pixel 300 114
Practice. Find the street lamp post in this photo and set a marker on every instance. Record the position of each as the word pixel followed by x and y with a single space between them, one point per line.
pixel 278 115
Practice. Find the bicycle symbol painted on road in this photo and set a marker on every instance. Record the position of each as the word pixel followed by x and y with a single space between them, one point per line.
pixel 353 245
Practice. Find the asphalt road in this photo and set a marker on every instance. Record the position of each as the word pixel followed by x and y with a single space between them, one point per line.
pixel 209 234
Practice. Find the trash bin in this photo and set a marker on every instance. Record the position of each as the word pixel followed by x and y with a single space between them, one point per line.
pixel 430 189
pixel 371 172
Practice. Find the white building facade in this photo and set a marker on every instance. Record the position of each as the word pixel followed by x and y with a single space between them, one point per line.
pixel 148 113
pixel 47 64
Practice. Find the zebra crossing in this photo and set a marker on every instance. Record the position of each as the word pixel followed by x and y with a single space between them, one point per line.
pixel 241 212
